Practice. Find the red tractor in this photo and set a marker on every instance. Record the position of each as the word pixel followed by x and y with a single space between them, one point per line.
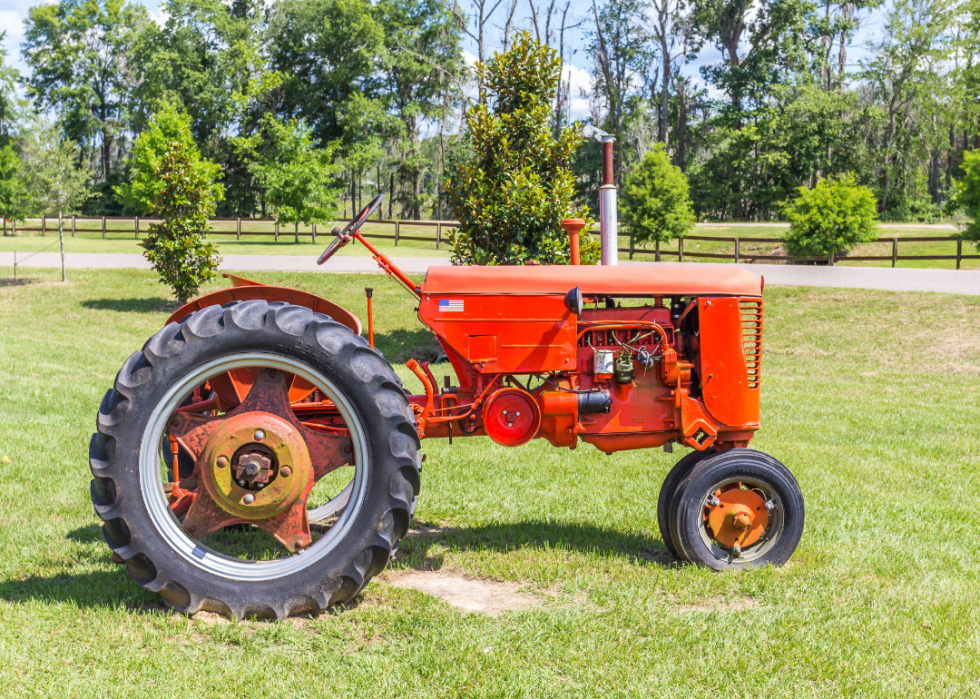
pixel 258 457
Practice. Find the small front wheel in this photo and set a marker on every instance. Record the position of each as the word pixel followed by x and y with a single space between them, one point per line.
pixel 740 508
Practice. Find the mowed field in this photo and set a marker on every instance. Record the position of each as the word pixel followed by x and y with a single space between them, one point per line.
pixel 258 239
pixel 871 398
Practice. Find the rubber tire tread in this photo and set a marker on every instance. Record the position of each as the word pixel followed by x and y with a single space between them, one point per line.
pixel 730 464
pixel 675 476
pixel 359 372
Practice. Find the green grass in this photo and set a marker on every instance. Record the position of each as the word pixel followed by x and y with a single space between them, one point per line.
pixel 870 397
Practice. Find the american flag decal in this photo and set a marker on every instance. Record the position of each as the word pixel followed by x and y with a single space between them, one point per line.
pixel 451 305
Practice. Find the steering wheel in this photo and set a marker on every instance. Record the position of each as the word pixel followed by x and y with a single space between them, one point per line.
pixel 344 236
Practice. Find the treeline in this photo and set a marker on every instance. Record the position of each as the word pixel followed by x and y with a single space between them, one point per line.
pixel 381 88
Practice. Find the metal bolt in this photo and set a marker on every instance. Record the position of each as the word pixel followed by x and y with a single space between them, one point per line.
pixel 248 499
pixel 252 468
pixel 222 461
pixel 736 550
pixel 713 501
pixel 285 471
pixel 770 505
pixel 259 435
pixel 517 414
pixel 260 485
pixel 241 483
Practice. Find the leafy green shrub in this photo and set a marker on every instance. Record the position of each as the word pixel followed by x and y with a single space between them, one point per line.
pixel 171 180
pixel 512 193
pixel 966 194
pixel 656 200
pixel 832 217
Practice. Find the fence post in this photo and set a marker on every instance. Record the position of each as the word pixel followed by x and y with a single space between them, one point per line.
pixel 314 234
pixel 13 224
pixel 72 226
pixel 738 249
pixel 830 258
pixel 438 235
pixel 632 244
pixel 277 230
pixel 959 252
pixel 44 226
pixel 103 228
pixel 658 251
pixel 137 228
pixel 398 227
pixel 238 229
pixel 894 251
pixel 680 249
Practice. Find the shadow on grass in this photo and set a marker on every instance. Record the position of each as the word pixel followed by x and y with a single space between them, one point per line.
pixel 416 548
pixel 400 345
pixel 151 305
pixel 15 282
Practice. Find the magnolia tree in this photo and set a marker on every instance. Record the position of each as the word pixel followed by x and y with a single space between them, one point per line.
pixel 172 181
pixel 512 193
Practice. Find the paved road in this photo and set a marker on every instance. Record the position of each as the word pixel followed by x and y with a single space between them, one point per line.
pixel 939 280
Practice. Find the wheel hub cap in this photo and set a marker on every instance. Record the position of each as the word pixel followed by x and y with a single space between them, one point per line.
pixel 738 519
pixel 235 466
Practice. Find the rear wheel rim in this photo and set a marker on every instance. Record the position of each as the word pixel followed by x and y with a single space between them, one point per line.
pixel 346 505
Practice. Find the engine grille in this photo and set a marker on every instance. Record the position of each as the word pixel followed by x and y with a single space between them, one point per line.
pixel 751 313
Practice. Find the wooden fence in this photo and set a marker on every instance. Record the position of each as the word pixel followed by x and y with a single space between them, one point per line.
pixel 115 225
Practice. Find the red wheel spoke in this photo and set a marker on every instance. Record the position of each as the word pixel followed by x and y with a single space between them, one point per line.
pixel 192 431
pixel 291 528
pixel 269 394
pixel 328 452
pixel 205 516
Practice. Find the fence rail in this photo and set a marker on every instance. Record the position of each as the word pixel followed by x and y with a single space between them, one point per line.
pixel 136 225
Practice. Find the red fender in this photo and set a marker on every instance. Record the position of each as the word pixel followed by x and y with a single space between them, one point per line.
pixel 246 290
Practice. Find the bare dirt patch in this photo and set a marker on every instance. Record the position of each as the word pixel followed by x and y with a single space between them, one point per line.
pixel 717 604
pixel 467 594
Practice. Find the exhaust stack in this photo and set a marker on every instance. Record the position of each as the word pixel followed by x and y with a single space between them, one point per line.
pixel 609 235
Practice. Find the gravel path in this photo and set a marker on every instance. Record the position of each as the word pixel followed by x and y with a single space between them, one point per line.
pixel 902 279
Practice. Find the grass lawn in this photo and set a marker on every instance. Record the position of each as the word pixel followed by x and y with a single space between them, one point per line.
pixel 871 398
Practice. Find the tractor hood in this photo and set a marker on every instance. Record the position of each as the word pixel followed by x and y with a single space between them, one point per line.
pixel 620 280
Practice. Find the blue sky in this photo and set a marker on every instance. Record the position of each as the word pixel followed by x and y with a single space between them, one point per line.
pixel 13 12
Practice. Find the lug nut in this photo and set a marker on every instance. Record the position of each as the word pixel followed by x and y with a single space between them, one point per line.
pixel 713 501
pixel 770 505
pixel 248 499
pixel 222 461
pixel 285 471
pixel 259 435
pixel 241 483
pixel 736 550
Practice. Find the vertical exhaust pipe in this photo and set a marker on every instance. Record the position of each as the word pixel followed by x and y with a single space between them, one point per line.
pixel 609 234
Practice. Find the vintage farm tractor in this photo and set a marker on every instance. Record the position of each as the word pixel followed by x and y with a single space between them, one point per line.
pixel 258 457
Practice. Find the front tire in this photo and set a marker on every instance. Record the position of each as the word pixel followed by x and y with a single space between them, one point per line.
pixel 135 415
pixel 736 509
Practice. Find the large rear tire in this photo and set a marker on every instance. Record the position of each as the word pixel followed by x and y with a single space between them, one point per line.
pixel 371 518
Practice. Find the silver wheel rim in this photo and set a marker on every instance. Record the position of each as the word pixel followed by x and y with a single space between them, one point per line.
pixel 770 536
pixel 347 503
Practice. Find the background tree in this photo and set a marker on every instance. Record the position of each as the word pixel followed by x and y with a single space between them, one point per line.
pixel 79 53
pixel 299 179
pixel 172 181
pixel 832 217
pixel 656 201
pixel 967 195
pixel 511 195
pixel 13 193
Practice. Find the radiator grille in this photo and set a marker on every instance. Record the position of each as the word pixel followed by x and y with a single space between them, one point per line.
pixel 751 313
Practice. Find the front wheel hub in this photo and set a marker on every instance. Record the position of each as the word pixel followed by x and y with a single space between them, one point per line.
pixel 248 479
pixel 737 517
